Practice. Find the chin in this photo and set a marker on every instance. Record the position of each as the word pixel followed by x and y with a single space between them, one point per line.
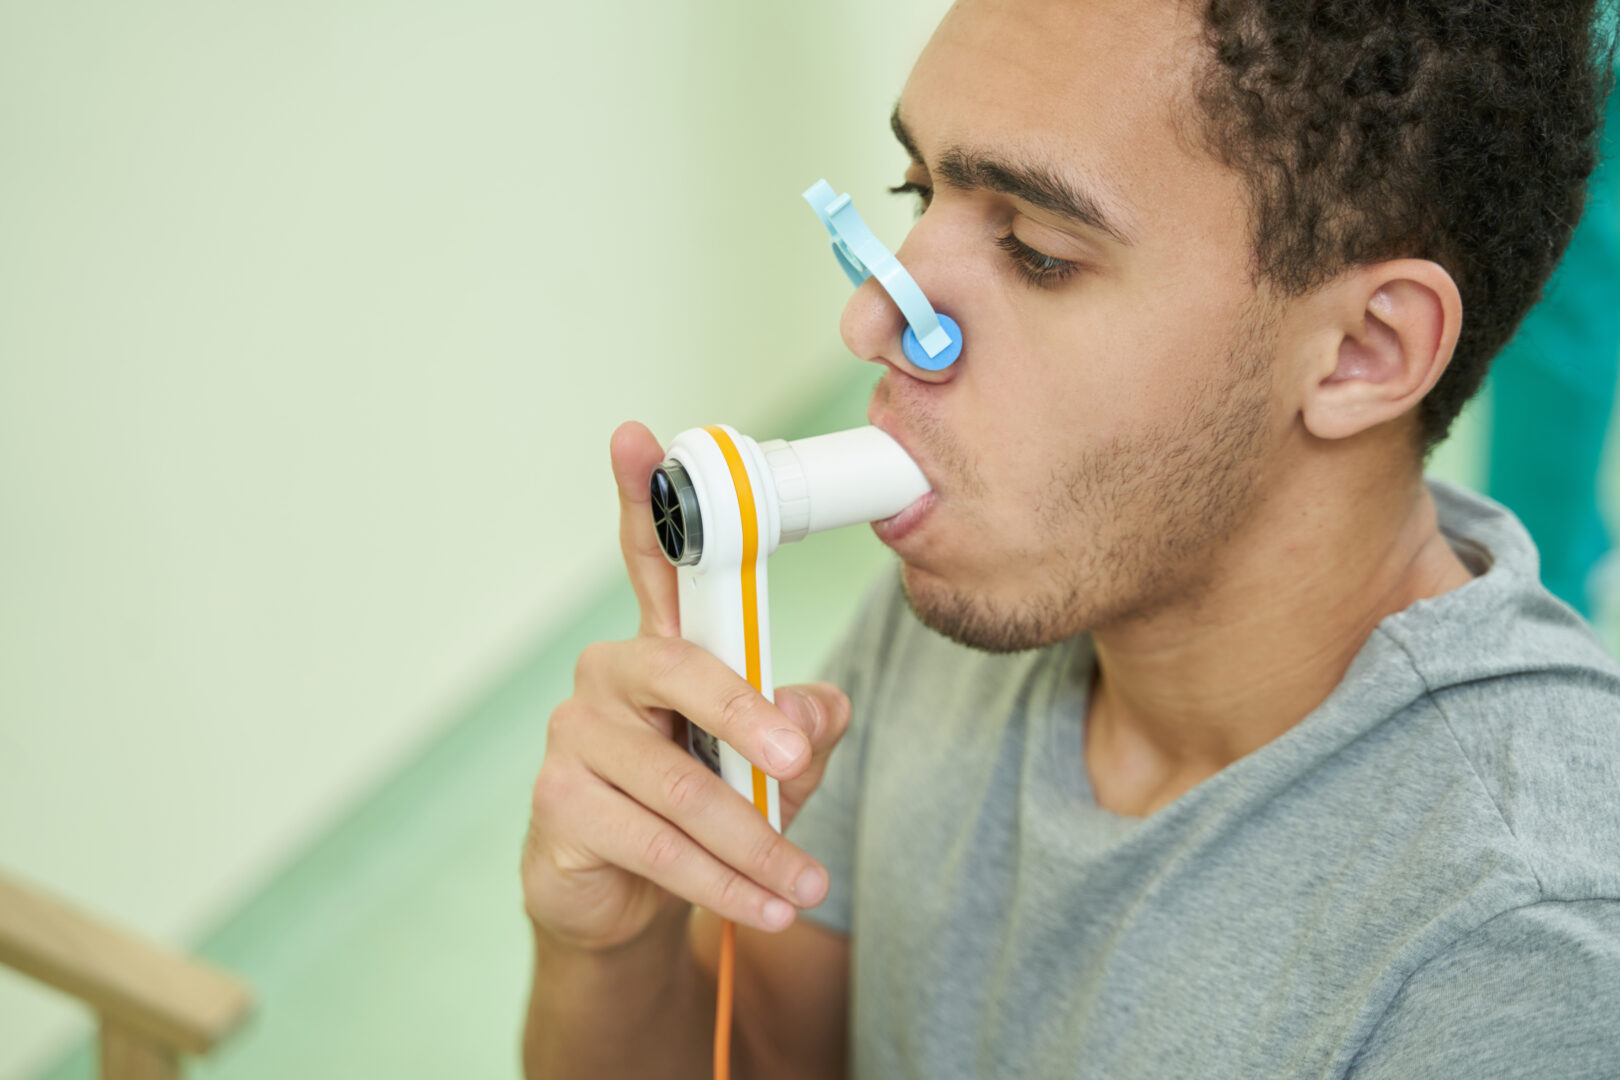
pixel 990 623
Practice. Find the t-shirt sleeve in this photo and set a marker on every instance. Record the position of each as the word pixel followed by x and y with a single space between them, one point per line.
pixel 1534 991
pixel 826 824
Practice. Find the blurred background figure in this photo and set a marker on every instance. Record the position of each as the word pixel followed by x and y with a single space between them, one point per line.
pixel 1551 396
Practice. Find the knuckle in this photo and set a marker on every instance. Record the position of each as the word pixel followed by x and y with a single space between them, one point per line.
pixel 770 850
pixel 736 705
pixel 684 787
pixel 564 719
pixel 663 849
pixel 644 541
pixel 552 790
pixel 732 890
pixel 590 661
pixel 667 655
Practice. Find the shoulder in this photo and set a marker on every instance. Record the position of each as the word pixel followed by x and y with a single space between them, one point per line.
pixel 1528 701
pixel 1542 744
pixel 1533 991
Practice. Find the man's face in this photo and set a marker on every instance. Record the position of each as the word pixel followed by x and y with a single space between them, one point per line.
pixel 1105 430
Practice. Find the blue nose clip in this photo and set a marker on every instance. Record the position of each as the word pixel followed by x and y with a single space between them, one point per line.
pixel 932 340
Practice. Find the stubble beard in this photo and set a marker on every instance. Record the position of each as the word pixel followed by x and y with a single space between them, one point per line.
pixel 1143 516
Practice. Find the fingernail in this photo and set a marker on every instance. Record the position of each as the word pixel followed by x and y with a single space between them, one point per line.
pixel 778 913
pixel 810 886
pixel 783 747
pixel 802 709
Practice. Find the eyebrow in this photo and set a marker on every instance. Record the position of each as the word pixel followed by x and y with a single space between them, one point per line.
pixel 969 169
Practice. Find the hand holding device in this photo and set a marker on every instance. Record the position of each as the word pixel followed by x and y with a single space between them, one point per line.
pixel 722 503
pixel 626 824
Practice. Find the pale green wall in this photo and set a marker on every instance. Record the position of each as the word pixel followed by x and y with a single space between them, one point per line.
pixel 314 320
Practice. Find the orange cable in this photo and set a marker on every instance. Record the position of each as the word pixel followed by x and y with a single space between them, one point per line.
pixel 750 612
pixel 722 1005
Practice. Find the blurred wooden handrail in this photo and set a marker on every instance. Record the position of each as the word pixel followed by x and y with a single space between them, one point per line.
pixel 152 1000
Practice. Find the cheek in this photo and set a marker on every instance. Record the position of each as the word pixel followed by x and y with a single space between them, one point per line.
pixel 1110 359
pixel 1135 352
pixel 1089 378
pixel 1036 430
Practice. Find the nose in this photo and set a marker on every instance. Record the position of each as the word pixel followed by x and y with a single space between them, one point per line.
pixel 872 325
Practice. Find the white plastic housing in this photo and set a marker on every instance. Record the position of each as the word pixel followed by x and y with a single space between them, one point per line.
pixel 796 488
pixel 847 478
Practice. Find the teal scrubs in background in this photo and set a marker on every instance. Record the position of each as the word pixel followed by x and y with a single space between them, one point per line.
pixel 1552 391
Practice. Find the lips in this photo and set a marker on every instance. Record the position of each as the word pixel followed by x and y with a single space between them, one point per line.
pixel 894 529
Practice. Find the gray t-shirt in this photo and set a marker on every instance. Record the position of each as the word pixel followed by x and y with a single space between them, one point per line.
pixel 1420 879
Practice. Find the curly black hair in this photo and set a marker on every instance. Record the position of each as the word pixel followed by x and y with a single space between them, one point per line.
pixel 1460 131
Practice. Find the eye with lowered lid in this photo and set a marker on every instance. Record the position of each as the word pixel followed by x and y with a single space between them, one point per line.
pixel 1034 266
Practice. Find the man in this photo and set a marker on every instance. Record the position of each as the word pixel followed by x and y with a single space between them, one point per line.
pixel 1195 735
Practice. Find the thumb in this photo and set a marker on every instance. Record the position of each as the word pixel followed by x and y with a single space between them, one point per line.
pixel 820 710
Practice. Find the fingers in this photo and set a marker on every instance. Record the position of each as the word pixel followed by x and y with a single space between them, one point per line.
pixel 703 840
pixel 593 853
pixel 672 673
pixel 620 807
pixel 654 849
pixel 635 453
pixel 822 711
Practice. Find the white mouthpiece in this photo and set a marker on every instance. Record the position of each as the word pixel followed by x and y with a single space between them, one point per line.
pixel 845 478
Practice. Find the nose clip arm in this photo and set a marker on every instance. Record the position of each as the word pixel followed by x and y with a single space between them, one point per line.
pixel 932 340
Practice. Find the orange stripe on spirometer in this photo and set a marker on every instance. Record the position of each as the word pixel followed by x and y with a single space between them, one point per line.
pixel 750 584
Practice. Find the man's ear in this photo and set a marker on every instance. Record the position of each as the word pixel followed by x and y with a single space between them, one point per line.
pixel 1391 330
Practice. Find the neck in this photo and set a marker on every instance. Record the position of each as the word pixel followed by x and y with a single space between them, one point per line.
pixel 1183 692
